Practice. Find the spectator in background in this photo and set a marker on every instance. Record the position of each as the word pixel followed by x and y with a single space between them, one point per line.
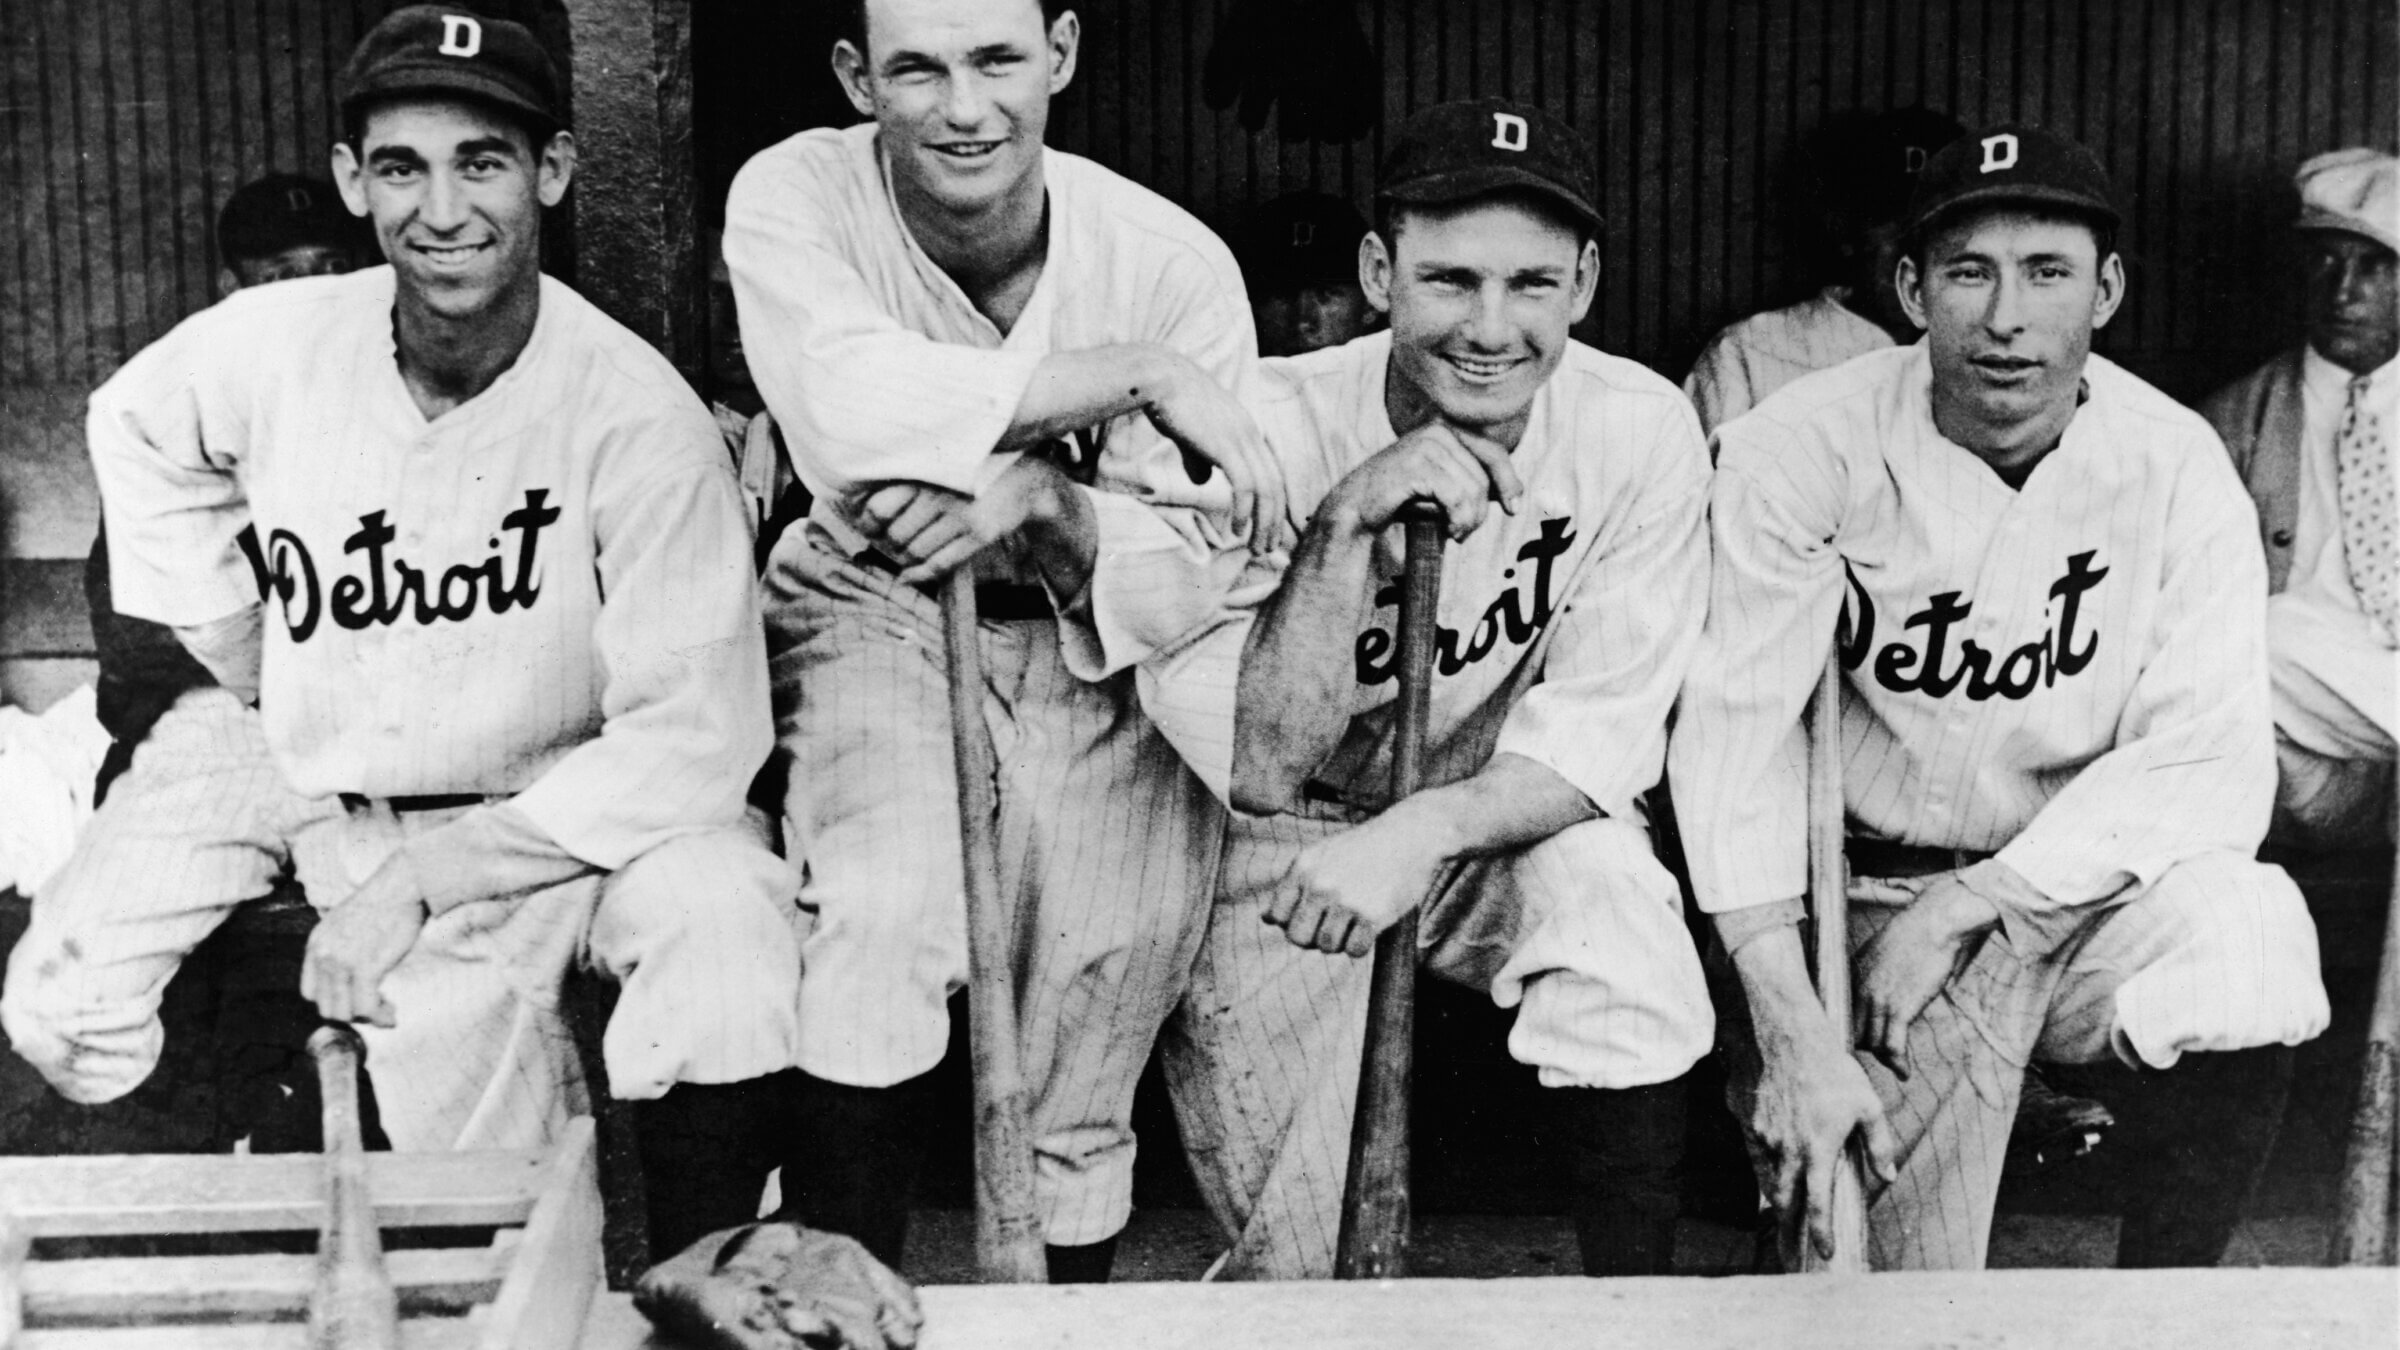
pixel 1859 171
pixel 1299 257
pixel 2311 432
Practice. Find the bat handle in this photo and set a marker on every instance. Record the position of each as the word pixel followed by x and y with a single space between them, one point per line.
pixel 1373 1241
pixel 1829 907
pixel 352 1305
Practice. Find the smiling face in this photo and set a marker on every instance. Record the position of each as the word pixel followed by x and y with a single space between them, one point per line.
pixel 2353 300
pixel 455 193
pixel 1480 297
pixel 2009 300
pixel 960 92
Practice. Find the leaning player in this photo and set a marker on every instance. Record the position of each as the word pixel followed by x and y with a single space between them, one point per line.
pixel 511 664
pixel 1567 616
pixel 2312 434
pixel 983 352
pixel 2057 758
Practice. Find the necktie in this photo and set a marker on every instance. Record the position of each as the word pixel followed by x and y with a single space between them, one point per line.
pixel 2363 481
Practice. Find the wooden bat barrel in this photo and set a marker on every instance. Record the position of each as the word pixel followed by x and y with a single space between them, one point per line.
pixel 352 1306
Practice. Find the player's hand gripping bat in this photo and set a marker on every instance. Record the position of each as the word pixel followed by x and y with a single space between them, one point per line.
pixel 352 1305
pixel 1829 908
pixel 1373 1244
pixel 2363 1237
pixel 1008 1231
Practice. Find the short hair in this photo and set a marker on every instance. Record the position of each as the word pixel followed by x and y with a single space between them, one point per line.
pixel 2104 232
pixel 1389 213
pixel 850 20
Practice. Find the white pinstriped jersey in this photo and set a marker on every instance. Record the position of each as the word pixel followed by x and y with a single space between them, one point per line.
pixel 880 369
pixel 461 605
pixel 1564 630
pixel 2072 674
pixel 1760 354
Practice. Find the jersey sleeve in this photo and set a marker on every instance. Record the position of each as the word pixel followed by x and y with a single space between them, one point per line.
pixel 1737 761
pixel 1719 383
pixel 1166 557
pixel 861 398
pixel 2193 767
pixel 166 433
pixel 683 661
pixel 1625 637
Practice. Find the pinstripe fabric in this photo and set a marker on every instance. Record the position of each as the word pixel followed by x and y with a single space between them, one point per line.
pixel 1107 844
pixel 2219 955
pixel 1760 354
pixel 1564 629
pixel 194 827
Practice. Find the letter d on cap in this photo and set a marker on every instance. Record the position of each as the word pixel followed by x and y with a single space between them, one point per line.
pixel 461 36
pixel 1508 131
pixel 1999 152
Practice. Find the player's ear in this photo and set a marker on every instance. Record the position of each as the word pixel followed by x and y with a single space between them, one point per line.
pixel 1911 286
pixel 349 176
pixel 850 70
pixel 2111 292
pixel 1066 33
pixel 1587 278
pixel 555 167
pixel 1375 271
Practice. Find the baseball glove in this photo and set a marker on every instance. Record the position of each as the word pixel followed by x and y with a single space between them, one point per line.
pixel 779 1286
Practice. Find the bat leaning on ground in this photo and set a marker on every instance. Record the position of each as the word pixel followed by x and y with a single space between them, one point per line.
pixel 1008 1230
pixel 1829 907
pixel 352 1305
pixel 1373 1244
pixel 2363 1235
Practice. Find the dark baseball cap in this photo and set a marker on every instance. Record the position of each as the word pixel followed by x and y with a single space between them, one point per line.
pixel 1300 239
pixel 2011 164
pixel 280 211
pixel 478 51
pixel 1454 152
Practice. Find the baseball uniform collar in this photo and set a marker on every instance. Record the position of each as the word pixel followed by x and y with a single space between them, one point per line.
pixel 1033 326
pixel 1375 423
pixel 545 320
pixel 1917 395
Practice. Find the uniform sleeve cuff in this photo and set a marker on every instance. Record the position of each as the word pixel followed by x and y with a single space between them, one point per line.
pixel 2035 924
pixel 1738 928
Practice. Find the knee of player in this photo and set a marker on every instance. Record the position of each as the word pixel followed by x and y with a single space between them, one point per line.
pixel 86 1059
pixel 722 888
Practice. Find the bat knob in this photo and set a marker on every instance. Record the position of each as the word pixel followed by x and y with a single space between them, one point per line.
pixel 334 1037
pixel 1421 511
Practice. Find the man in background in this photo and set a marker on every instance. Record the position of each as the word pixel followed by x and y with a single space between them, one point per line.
pixel 2311 432
pixel 1299 257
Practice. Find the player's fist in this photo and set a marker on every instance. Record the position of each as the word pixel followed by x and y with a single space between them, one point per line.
pixel 1811 1097
pixel 932 531
pixel 1212 427
pixel 1905 966
pixel 358 942
pixel 1344 889
pixel 779 1286
pixel 1459 471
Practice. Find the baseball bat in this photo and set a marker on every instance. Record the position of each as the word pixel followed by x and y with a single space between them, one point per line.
pixel 2363 1236
pixel 1829 905
pixel 1373 1242
pixel 352 1305
pixel 1008 1230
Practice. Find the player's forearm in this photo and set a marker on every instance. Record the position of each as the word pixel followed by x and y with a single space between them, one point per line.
pixel 488 853
pixel 1512 803
pixel 1071 391
pixel 1787 1019
pixel 1298 669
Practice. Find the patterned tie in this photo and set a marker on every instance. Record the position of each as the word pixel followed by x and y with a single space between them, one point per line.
pixel 2363 475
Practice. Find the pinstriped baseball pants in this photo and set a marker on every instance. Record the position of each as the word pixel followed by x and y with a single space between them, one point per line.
pixel 2219 954
pixel 1107 846
pixel 699 934
pixel 1583 932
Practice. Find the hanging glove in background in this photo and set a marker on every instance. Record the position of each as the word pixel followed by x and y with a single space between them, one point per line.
pixel 1309 56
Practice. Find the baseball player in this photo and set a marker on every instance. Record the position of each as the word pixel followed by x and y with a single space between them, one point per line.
pixel 510 666
pixel 2057 759
pixel 983 352
pixel 1861 168
pixel 2311 432
pixel 1568 613
pixel 1299 253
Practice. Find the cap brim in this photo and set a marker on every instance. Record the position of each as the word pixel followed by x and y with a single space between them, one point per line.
pixel 2327 220
pixel 1443 188
pixel 2026 194
pixel 445 78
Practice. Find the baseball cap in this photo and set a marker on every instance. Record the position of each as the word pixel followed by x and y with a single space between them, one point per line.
pixel 2011 163
pixel 473 51
pixel 280 211
pixel 1299 239
pixel 2356 191
pixel 1453 152
pixel 1867 163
